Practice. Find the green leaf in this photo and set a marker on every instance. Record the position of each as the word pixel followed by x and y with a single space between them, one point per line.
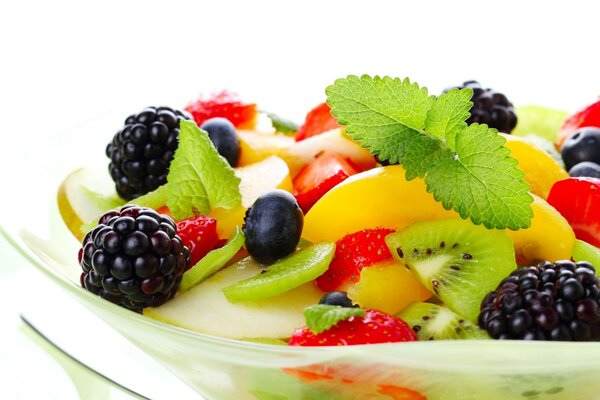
pixel 385 115
pixel 448 114
pixel 282 125
pixel 541 121
pixel 212 262
pixel 481 181
pixel 199 178
pixel 321 317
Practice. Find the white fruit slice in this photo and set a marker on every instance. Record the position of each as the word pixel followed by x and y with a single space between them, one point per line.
pixel 205 309
pixel 83 196
pixel 303 152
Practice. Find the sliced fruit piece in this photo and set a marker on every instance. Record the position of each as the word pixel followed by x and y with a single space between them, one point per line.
pixel 433 322
pixel 375 198
pixel 388 287
pixel 583 251
pixel 458 261
pixel 317 178
pixel 255 179
pixel 542 121
pixel 199 234
pixel 383 197
pixel 318 120
pixel 354 252
pixel 299 268
pixel 212 262
pixel 578 200
pixel 83 197
pixel 205 309
pixel 374 327
pixel 256 146
pixel 588 116
pixel 225 104
pixel 541 170
pixel 302 153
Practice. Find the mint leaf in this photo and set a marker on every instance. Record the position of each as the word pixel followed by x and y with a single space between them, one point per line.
pixel 448 114
pixel 384 115
pixel 481 181
pixel 282 125
pixel 199 178
pixel 466 168
pixel 321 317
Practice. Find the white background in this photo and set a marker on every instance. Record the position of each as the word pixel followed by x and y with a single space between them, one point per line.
pixel 63 62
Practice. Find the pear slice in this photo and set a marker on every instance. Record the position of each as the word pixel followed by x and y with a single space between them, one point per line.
pixel 204 308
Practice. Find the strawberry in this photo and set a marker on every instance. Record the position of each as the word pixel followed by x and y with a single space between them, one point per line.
pixel 317 178
pixel 199 234
pixel 318 120
pixel 578 200
pixel 588 116
pixel 353 252
pixel 375 327
pixel 227 105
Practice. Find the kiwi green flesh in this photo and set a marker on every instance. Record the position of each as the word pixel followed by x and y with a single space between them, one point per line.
pixel 433 322
pixel 583 251
pixel 458 261
pixel 284 275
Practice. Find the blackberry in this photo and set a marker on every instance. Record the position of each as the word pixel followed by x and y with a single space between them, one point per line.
pixel 142 150
pixel 490 107
pixel 133 258
pixel 549 301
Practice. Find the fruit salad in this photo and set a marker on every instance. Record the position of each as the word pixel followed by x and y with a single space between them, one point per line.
pixel 387 215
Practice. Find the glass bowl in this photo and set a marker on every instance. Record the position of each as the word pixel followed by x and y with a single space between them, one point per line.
pixel 227 369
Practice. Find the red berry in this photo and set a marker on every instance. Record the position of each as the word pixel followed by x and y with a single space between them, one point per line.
pixel 375 327
pixel 586 117
pixel 227 105
pixel 578 200
pixel 199 234
pixel 353 252
pixel 318 177
pixel 318 120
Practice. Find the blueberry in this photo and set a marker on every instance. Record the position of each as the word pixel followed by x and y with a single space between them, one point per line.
pixel 222 133
pixel 583 145
pixel 336 298
pixel 585 169
pixel 273 226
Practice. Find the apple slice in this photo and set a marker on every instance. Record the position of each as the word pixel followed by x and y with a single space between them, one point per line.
pixel 83 196
pixel 204 308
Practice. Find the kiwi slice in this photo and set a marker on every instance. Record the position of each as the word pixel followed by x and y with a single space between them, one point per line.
pixel 583 251
pixel 433 322
pixel 457 261
pixel 286 274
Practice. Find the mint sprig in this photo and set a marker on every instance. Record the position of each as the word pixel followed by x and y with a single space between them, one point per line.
pixel 321 317
pixel 466 167
pixel 199 179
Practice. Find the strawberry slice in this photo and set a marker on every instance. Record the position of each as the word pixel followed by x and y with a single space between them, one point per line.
pixel 588 116
pixel 199 234
pixel 375 327
pixel 317 178
pixel 354 252
pixel 578 200
pixel 318 120
pixel 225 104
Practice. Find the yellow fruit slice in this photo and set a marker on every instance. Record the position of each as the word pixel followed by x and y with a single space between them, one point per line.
pixel 541 170
pixel 303 152
pixel 256 146
pixel 550 237
pixel 388 287
pixel 255 179
pixel 382 197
